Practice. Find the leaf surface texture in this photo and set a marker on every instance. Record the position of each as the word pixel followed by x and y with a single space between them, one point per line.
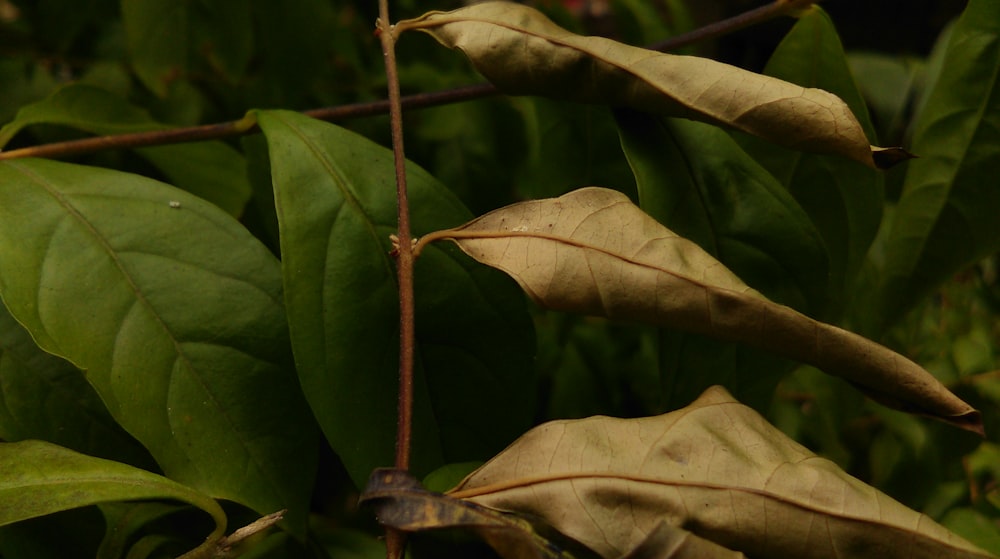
pixel 715 468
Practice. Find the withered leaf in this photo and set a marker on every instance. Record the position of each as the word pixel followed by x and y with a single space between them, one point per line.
pixel 401 502
pixel 524 53
pixel 592 251
pixel 667 541
pixel 715 468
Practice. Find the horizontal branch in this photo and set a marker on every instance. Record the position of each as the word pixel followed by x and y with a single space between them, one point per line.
pixel 244 126
pixel 359 110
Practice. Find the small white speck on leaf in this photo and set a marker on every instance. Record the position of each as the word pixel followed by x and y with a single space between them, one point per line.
pixel 175 204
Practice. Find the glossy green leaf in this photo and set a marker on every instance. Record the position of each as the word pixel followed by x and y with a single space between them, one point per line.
pixel 211 170
pixel 175 313
pixel 843 199
pixel 41 478
pixel 336 199
pixel 45 397
pixel 697 181
pixel 947 216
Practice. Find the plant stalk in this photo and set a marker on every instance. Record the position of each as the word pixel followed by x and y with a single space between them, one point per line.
pixel 395 539
pixel 404 254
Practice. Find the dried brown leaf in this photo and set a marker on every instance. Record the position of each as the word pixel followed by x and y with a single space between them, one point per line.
pixel 402 503
pixel 524 53
pixel 715 468
pixel 667 541
pixel 592 251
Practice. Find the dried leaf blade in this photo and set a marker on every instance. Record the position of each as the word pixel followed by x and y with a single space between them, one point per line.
pixel 524 53
pixel 401 502
pixel 592 251
pixel 716 469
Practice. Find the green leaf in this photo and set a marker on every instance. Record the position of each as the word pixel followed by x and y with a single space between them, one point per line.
pixel 697 181
pixel 947 216
pixel 211 170
pixel 975 527
pixel 889 84
pixel 844 200
pixel 223 33
pixel 41 478
pixel 158 37
pixel 336 203
pixel 549 168
pixel 127 522
pixel 164 36
pixel 175 313
pixel 45 397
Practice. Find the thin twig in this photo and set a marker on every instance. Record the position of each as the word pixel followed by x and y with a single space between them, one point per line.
pixel 404 256
pixel 746 19
pixel 358 110
pixel 395 539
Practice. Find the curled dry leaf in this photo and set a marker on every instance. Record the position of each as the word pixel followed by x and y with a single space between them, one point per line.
pixel 592 251
pixel 401 502
pixel 715 468
pixel 524 53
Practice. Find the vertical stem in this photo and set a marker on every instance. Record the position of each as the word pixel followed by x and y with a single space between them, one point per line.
pixel 404 258
pixel 395 539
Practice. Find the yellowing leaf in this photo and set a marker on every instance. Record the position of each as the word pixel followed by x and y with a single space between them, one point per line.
pixel 524 53
pixel 716 469
pixel 592 251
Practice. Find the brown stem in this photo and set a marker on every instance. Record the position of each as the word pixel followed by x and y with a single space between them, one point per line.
pixel 395 539
pixel 245 125
pixel 404 254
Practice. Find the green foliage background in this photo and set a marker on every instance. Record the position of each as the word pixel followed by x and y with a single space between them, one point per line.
pixel 242 279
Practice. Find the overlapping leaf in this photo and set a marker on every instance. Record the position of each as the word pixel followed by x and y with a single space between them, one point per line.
pixel 592 251
pixel 45 397
pixel 696 179
pixel 41 478
pixel 400 501
pixel 336 208
pixel 174 311
pixel 524 53
pixel 715 468
pixel 947 216
pixel 212 170
pixel 844 201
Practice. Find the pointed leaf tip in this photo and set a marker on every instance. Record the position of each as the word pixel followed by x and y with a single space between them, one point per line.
pixel 886 158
